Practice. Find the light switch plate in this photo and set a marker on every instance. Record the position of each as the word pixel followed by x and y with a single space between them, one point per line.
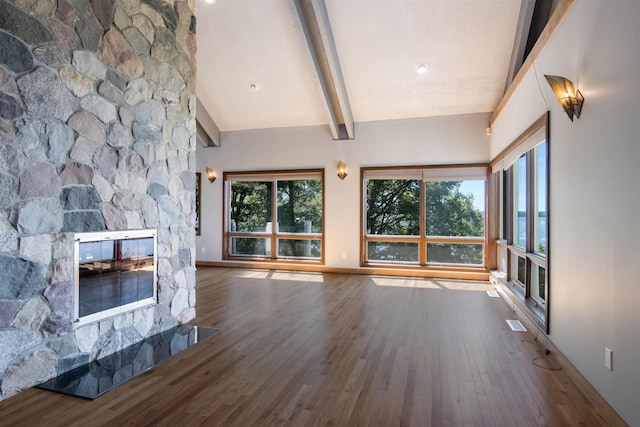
pixel 607 358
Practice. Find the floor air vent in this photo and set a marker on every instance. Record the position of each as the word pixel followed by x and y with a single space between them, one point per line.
pixel 515 325
pixel 493 294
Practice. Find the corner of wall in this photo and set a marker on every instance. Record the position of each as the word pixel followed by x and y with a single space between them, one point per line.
pixel 97 132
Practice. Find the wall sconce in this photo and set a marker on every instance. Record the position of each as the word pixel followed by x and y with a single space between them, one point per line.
pixel 570 98
pixel 211 174
pixel 342 170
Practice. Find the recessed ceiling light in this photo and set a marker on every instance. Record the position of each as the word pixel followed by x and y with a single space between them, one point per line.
pixel 421 68
pixel 254 87
pixel 210 1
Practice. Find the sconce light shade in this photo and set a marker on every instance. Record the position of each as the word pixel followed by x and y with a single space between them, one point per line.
pixel 211 174
pixel 569 97
pixel 342 170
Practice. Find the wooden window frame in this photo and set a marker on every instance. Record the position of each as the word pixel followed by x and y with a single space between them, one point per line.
pixel 524 145
pixel 422 239
pixel 273 176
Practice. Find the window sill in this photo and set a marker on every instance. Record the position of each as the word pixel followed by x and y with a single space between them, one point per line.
pixel 463 274
pixel 440 271
pixel 528 306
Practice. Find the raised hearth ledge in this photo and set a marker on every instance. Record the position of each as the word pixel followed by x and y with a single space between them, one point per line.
pixel 100 376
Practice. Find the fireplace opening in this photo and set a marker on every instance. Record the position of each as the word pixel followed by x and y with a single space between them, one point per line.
pixel 115 272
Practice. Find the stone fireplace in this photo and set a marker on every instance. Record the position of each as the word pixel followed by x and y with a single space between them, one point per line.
pixel 97 134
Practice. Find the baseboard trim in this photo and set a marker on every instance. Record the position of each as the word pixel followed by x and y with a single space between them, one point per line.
pixel 378 271
pixel 525 316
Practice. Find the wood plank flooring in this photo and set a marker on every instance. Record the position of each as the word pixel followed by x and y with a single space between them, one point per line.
pixel 329 349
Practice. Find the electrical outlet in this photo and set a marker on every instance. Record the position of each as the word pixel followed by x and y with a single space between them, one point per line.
pixel 344 255
pixel 203 249
pixel 607 358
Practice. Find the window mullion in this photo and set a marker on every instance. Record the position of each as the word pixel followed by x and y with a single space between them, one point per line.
pixel 422 250
pixel 530 218
pixel 274 218
pixel 509 214
pixel 509 209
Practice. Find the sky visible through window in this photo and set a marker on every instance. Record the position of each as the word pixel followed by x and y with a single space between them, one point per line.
pixel 541 161
pixel 476 188
pixel 542 176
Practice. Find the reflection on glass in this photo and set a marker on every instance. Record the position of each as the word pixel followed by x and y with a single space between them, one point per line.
pixel 518 267
pixel 113 273
pixel 250 246
pixel 537 283
pixel 393 251
pixel 455 253
pixel 102 375
pixel 290 248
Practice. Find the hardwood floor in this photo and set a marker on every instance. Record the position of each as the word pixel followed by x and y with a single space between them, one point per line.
pixel 329 349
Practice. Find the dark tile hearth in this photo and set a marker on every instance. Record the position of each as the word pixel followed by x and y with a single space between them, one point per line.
pixel 100 376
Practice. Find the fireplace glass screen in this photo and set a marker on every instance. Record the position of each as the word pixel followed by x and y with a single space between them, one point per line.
pixel 116 272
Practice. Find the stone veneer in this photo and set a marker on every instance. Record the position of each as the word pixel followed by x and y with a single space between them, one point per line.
pixel 97 132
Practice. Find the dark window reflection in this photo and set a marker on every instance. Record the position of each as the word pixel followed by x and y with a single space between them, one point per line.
pixel 113 273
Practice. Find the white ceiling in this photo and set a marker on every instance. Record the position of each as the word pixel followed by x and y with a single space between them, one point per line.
pixel 467 45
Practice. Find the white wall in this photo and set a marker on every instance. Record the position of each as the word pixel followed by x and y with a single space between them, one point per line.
pixel 440 140
pixel 595 192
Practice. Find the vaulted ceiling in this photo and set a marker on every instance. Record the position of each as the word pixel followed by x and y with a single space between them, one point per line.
pixel 259 64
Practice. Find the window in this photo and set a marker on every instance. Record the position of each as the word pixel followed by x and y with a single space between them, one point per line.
pixel 523 177
pixel 424 217
pixel 519 198
pixel 274 215
pixel 393 220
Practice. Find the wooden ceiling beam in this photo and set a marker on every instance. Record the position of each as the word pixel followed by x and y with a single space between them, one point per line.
pixel 207 132
pixel 317 30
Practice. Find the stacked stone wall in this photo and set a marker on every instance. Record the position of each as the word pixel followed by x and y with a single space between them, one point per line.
pixel 97 132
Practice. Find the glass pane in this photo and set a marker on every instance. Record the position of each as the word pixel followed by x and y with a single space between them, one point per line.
pixel 393 251
pixel 455 253
pixel 455 208
pixel 540 225
pixel 300 206
pixel 289 248
pixel 250 206
pixel 518 268
pixel 393 207
pixel 113 273
pixel 250 246
pixel 537 284
pixel 520 200
pixel 504 220
pixel 96 264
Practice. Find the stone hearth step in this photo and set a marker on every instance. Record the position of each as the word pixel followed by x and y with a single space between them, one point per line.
pixel 100 376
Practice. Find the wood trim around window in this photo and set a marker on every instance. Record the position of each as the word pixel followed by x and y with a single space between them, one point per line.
pixel 528 253
pixel 559 14
pixel 461 271
pixel 255 261
pixel 528 133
